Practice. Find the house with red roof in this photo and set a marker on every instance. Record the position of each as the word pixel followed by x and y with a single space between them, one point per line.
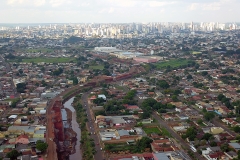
pixel 133 108
pixel 23 139
pixel 230 121
pixel 214 156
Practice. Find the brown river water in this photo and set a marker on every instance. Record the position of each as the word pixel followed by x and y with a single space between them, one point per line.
pixel 75 126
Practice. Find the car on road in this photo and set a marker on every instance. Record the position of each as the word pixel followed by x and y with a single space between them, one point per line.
pixel 97 144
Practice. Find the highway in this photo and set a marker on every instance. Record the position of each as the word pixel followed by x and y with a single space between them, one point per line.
pixel 92 128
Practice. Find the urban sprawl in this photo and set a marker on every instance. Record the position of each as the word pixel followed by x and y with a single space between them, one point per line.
pixel 134 91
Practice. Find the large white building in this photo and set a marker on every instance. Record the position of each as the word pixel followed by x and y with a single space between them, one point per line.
pixel 106 49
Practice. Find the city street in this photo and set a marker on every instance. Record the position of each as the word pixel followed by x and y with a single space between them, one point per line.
pixel 175 135
pixel 92 128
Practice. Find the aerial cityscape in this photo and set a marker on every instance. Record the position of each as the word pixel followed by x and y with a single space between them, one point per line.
pixel 119 80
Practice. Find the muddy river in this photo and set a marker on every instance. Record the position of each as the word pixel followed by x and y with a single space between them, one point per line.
pixel 75 126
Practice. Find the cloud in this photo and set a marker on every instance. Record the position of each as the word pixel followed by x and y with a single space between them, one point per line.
pixel 111 10
pixel 35 3
pixel 160 3
pixel 210 6
pixel 84 4
pixel 122 3
pixel 193 6
pixel 24 11
pixel 56 3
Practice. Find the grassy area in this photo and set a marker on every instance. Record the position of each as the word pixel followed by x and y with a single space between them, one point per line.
pixel 196 52
pixel 152 130
pixel 121 88
pixel 49 60
pixel 201 124
pixel 165 132
pixel 12 99
pixel 100 67
pixel 174 63
pixel 119 147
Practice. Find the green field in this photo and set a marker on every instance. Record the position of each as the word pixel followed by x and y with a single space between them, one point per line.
pixel 152 130
pixel 49 60
pixel 196 52
pixel 100 67
pixel 174 63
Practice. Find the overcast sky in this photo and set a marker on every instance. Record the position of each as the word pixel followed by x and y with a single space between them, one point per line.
pixel 118 11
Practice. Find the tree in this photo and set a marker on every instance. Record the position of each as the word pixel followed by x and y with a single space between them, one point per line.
pixel 174 98
pixel 199 121
pixel 75 80
pixel 145 115
pixel 209 116
pixel 13 154
pixel 238 138
pixel 143 143
pixel 98 101
pixel 224 147
pixel 204 73
pixel 213 143
pixel 106 72
pixel 41 146
pixel 58 72
pixel 163 84
pixel 189 76
pixel 21 87
pixel 191 134
pixel 236 129
pixel 220 97
pixel 207 136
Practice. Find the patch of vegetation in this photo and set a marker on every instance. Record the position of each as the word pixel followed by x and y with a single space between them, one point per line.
pixel 100 67
pixel 175 63
pixel 165 132
pixel 87 143
pixel 41 146
pixel 152 130
pixel 140 146
pixel 196 52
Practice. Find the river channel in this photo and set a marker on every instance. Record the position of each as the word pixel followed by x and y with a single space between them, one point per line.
pixel 75 126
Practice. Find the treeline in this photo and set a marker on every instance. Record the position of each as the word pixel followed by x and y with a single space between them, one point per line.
pixel 149 105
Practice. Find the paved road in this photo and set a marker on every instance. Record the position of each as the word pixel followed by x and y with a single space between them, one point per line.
pixel 175 135
pixel 92 128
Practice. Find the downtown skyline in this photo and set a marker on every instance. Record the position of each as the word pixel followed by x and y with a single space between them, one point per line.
pixel 118 11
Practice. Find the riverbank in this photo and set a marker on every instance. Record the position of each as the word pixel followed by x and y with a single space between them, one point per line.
pixel 71 118
pixel 87 143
